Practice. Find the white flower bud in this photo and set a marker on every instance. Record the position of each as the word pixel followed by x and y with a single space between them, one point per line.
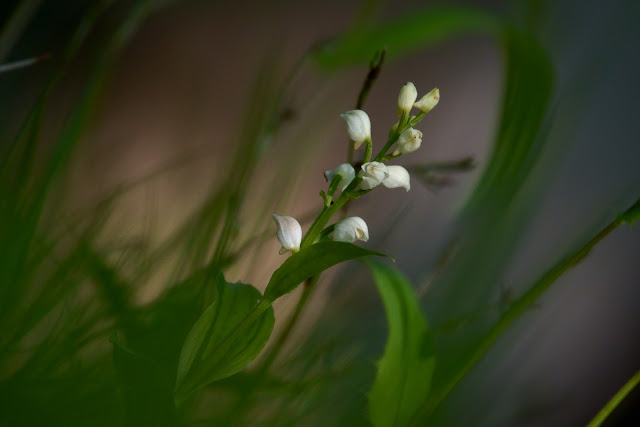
pixel 398 177
pixel 358 126
pixel 289 233
pixel 350 230
pixel 429 101
pixel 372 173
pixel 408 141
pixel 407 97
pixel 346 171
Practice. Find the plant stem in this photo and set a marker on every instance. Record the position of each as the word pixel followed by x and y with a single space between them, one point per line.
pixel 617 398
pixel 325 215
pixel 513 312
pixel 286 332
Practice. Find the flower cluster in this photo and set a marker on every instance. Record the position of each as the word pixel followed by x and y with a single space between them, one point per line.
pixel 373 173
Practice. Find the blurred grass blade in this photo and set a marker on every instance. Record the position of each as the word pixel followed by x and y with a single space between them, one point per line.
pixel 309 262
pixel 147 392
pixel 23 63
pixel 404 372
pixel 225 339
pixel 16 24
pixel 613 403
pixel 497 211
pixel 407 33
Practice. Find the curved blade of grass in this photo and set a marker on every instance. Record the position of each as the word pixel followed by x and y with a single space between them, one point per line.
pixel 617 398
pixel 407 33
pixel 404 372
pixel 494 215
pixel 518 307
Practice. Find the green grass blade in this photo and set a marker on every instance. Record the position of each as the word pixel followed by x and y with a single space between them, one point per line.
pixel 405 34
pixel 617 398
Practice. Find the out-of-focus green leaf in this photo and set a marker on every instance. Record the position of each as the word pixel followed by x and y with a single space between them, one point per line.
pixel 497 211
pixel 309 262
pixel 145 387
pixel 225 339
pixel 403 380
pixel 407 33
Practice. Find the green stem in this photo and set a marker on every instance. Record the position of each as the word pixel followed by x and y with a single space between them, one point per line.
pixel 325 215
pixel 368 149
pixel 514 311
pixel 615 401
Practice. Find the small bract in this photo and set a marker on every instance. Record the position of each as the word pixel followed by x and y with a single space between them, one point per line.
pixel 346 172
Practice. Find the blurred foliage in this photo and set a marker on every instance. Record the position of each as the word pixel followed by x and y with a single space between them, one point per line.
pixel 77 350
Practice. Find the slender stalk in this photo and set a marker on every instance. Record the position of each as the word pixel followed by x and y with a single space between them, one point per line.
pixel 309 286
pixel 515 310
pixel 617 398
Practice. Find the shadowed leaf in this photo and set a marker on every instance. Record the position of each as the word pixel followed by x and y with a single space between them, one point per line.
pixel 225 339
pixel 403 379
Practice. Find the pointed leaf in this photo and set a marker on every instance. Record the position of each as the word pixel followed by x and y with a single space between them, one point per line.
pixel 226 338
pixel 404 374
pixel 309 262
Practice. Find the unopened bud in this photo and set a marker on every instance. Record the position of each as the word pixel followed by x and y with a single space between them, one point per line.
pixel 350 230
pixel 289 233
pixel 407 97
pixel 429 101
pixel 398 178
pixel 358 126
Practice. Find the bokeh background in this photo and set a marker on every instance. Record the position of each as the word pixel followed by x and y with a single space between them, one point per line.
pixel 175 103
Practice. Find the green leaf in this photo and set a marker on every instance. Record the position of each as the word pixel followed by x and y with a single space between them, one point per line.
pixel 632 214
pixel 225 339
pixel 309 262
pixel 407 33
pixel 504 200
pixel 145 387
pixel 403 379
